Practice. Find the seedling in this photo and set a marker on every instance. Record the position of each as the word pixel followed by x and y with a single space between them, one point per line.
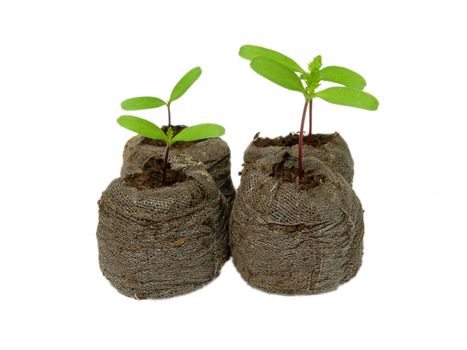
pixel 149 102
pixel 284 71
pixel 147 129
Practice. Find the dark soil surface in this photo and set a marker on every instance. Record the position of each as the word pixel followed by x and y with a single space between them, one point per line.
pixel 151 177
pixel 291 139
pixel 309 180
pixel 176 129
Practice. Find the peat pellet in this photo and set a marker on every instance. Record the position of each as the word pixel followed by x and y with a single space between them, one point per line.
pixel 161 241
pixel 331 149
pixel 295 239
pixel 213 153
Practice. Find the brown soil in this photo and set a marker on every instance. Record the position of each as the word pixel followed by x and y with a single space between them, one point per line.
pixel 176 129
pixel 317 140
pixel 151 177
pixel 309 179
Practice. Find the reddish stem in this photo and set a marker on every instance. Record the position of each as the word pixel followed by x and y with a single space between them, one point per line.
pixel 166 163
pixel 308 139
pixel 300 144
pixel 170 121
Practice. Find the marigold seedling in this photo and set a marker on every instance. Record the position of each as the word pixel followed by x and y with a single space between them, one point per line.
pixel 284 71
pixel 150 130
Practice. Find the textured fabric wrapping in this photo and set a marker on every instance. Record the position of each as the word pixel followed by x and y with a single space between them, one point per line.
pixel 289 240
pixel 334 153
pixel 162 242
pixel 213 153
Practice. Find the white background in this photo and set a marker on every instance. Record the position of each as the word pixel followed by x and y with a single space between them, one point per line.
pixel 65 67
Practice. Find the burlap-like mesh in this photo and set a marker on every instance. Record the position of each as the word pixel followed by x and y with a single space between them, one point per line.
pixel 331 149
pixel 213 153
pixel 162 242
pixel 289 240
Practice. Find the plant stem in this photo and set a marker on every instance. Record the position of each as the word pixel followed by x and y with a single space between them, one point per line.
pixel 166 163
pixel 308 139
pixel 300 144
pixel 170 120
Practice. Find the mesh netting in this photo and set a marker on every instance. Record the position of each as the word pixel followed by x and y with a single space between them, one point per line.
pixel 290 240
pixel 213 153
pixel 331 149
pixel 162 242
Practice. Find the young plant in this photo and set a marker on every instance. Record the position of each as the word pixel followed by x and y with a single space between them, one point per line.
pixel 149 102
pixel 192 133
pixel 284 71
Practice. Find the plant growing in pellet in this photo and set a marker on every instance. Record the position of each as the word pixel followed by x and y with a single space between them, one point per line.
pixel 287 73
pixel 150 130
pixel 192 133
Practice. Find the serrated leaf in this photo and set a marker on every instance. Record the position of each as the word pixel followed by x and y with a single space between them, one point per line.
pixel 349 97
pixel 199 132
pixel 184 83
pixel 344 76
pixel 277 73
pixel 250 52
pixel 143 102
pixel 143 127
pixel 316 63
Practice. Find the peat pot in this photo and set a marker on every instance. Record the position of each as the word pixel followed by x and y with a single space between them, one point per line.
pixel 331 149
pixel 213 153
pixel 288 238
pixel 158 240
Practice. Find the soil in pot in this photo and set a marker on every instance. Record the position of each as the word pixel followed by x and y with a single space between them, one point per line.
pixel 213 153
pixel 295 239
pixel 158 240
pixel 331 149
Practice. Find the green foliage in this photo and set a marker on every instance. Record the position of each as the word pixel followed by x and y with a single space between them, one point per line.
pixel 145 102
pixel 184 84
pixel 142 126
pixel 250 52
pixel 315 64
pixel 343 76
pixel 148 102
pixel 285 72
pixel 199 132
pixel 152 131
pixel 277 73
pixel 349 97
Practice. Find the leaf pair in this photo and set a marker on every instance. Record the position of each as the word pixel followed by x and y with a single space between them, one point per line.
pixel 283 70
pixel 147 102
pixel 147 129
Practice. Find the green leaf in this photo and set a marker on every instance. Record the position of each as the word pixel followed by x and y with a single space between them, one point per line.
pixel 316 63
pixel 277 73
pixel 144 102
pixel 349 97
pixel 250 52
pixel 170 133
pixel 143 127
pixel 184 84
pixel 199 132
pixel 344 76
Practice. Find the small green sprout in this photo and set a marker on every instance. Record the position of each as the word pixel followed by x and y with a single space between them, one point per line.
pixel 192 133
pixel 284 71
pixel 148 102
pixel 147 129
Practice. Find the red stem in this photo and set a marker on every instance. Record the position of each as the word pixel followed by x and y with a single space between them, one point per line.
pixel 166 161
pixel 170 121
pixel 308 139
pixel 300 144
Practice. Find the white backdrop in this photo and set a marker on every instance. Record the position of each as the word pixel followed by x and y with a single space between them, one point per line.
pixel 66 65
